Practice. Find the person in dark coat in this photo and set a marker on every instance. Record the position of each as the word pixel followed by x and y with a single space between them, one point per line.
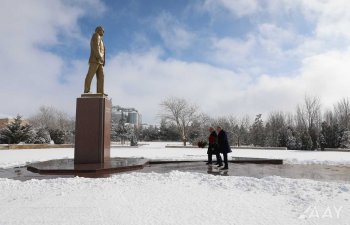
pixel 223 145
pixel 213 147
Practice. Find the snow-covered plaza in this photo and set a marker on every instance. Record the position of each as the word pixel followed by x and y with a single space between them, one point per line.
pixel 174 197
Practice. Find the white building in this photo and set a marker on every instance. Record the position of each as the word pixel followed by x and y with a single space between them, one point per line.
pixel 130 115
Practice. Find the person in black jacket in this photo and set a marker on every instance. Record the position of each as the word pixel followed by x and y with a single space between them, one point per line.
pixel 213 147
pixel 224 146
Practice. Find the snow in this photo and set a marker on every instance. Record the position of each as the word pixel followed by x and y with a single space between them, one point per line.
pixel 11 158
pixel 171 198
pixel 175 197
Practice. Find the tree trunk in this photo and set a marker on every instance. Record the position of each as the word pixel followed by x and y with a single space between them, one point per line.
pixel 184 137
pixel 184 140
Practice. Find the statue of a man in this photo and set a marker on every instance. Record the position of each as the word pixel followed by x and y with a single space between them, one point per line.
pixel 96 61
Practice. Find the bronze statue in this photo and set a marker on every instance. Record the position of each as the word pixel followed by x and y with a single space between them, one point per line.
pixel 96 61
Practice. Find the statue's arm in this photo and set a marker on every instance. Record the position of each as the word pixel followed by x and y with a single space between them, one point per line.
pixel 95 45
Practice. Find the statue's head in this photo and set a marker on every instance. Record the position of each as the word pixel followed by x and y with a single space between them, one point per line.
pixel 100 30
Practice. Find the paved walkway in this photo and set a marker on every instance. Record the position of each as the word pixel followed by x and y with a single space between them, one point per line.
pixel 314 172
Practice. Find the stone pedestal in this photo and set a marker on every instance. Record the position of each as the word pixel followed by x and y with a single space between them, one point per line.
pixel 92 129
pixel 92 144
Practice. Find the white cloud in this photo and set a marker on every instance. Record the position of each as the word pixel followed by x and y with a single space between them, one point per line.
pixel 332 21
pixel 328 21
pixel 263 50
pixel 327 75
pixel 174 34
pixel 237 7
pixel 143 80
pixel 30 72
pixel 276 37
pixel 232 51
pixel 324 75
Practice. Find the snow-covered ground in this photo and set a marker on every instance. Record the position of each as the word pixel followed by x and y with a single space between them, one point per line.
pixel 175 197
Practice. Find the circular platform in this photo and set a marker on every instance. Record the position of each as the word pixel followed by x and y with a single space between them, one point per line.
pixel 67 167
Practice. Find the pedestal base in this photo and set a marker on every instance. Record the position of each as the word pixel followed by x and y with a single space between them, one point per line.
pixel 68 167
pixel 92 129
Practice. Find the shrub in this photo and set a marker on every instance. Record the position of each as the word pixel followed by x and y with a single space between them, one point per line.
pixel 42 136
pixel 57 136
pixel 15 132
pixel 202 144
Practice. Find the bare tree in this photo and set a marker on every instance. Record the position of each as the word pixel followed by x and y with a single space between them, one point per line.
pixel 230 125
pixel 45 118
pixel 242 133
pixel 276 130
pixel 342 113
pixel 309 114
pixel 53 120
pixel 198 131
pixel 309 119
pixel 329 117
pixel 179 112
pixel 233 129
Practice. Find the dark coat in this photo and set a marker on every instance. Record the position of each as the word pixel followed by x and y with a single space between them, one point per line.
pixel 213 143
pixel 224 146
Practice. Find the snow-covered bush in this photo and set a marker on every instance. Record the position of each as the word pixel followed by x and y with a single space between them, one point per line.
pixel 57 136
pixel 15 132
pixel 345 140
pixel 41 136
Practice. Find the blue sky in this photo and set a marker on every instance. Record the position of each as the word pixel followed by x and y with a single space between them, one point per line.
pixel 230 57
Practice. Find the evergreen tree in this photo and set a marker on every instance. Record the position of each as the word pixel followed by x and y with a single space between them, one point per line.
pixel 325 135
pixel 330 135
pixel 15 132
pixel 294 139
pixel 168 132
pixel 345 140
pixel 150 133
pixel 57 136
pixel 275 130
pixel 299 143
pixel 243 136
pixel 314 135
pixel 306 141
pixel 282 137
pixel 122 131
pixel 257 132
pixel 291 142
pixel 41 136
pixel 269 138
pixel 323 142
